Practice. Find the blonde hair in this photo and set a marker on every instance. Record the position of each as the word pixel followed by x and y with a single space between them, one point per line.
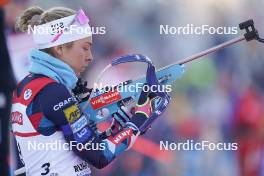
pixel 34 16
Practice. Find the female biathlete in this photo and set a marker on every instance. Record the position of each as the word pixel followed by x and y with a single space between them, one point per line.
pixel 45 108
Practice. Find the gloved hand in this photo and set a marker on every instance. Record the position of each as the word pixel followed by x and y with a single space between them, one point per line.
pixel 122 116
pixel 119 120
pixel 149 107
pixel 81 92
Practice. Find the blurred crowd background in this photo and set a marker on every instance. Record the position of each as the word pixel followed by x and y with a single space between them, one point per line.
pixel 219 98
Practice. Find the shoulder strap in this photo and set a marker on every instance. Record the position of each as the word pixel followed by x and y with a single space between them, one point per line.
pixel 31 89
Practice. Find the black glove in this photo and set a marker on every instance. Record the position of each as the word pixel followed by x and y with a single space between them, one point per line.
pixel 81 92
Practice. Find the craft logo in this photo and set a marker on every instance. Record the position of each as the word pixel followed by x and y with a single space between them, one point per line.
pixel 105 99
pixel 16 117
pixel 63 103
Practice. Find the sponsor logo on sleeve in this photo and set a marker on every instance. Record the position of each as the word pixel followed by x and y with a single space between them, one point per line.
pixel 79 124
pixel 83 135
pixel 72 113
pixel 83 132
pixel 63 103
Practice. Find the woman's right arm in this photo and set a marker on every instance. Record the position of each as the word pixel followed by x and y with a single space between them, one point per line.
pixel 61 108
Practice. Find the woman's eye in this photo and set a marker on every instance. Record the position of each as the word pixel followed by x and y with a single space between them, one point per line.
pixel 86 49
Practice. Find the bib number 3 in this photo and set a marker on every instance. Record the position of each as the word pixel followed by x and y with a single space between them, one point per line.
pixel 46 168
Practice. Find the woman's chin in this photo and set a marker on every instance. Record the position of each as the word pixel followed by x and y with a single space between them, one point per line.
pixel 78 74
pixel 80 71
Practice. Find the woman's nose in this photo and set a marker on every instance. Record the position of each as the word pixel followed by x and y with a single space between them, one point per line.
pixel 89 59
pixel 89 56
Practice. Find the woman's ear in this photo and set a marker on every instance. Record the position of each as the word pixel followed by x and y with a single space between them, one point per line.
pixel 58 51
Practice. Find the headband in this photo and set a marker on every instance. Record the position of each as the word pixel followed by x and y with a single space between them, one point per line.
pixel 63 30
